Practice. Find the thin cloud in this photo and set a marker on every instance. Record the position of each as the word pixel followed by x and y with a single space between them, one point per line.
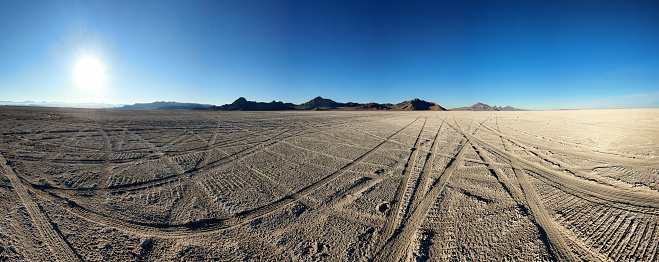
pixel 648 100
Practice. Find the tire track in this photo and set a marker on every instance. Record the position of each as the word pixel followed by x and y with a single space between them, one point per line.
pixel 563 166
pixel 107 145
pixel 209 166
pixel 582 152
pixel 424 179
pixel 178 170
pixel 204 158
pixel 556 241
pixel 559 242
pixel 167 179
pixel 106 165
pixel 636 201
pixel 634 250
pixel 172 178
pixel 582 146
pixel 414 180
pixel 121 142
pixel 266 178
pixel 548 227
pixel 204 225
pixel 398 207
pixel 396 246
pixel 59 145
pixel 58 245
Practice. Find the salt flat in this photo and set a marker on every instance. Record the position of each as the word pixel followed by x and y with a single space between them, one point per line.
pixel 103 185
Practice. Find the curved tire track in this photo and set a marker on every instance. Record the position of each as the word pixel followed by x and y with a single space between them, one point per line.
pixel 57 244
pixel 581 146
pixel 646 202
pixel 167 179
pixel 581 152
pixel 206 225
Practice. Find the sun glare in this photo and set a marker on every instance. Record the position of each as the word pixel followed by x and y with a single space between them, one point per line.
pixel 89 73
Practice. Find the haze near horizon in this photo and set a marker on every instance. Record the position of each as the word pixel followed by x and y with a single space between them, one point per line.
pixel 563 54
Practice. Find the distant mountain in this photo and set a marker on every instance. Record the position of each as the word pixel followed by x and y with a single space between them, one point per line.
pixel 352 104
pixel 418 104
pixel 241 104
pixel 320 102
pixel 374 106
pixel 510 108
pixel 162 105
pixel 484 107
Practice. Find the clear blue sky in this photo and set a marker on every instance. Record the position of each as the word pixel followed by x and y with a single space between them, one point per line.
pixel 554 54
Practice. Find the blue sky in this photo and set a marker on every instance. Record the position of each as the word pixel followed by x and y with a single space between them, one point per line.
pixel 550 55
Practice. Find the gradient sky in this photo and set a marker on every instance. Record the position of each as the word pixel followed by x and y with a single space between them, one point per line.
pixel 527 54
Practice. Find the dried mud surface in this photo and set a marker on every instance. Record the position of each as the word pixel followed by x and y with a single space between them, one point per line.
pixel 101 185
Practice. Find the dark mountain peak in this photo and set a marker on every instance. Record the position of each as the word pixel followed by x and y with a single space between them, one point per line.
pixel 240 100
pixel 478 107
pixel 418 104
pixel 485 107
pixel 374 106
pixel 320 102
pixel 241 104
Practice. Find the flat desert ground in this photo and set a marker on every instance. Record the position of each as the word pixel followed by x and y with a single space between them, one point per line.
pixel 103 185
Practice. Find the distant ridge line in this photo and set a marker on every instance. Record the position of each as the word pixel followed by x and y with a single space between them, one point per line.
pixel 484 107
pixel 320 103
pixel 316 104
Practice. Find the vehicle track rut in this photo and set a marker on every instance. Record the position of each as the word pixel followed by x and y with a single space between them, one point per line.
pixel 205 225
pixel 424 177
pixel 639 201
pixel 58 245
pixel 398 205
pixel 558 243
pixel 582 151
pixel 397 244
pixel 178 172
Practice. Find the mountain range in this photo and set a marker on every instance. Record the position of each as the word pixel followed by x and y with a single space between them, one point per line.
pixel 242 104
pixel 319 103
pixel 162 105
pixel 483 107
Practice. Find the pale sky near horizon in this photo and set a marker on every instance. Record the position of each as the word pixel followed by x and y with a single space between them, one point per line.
pixel 526 54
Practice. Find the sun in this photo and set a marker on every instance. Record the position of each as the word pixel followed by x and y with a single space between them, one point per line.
pixel 89 73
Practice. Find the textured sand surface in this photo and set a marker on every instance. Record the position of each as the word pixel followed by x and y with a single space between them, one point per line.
pixel 101 185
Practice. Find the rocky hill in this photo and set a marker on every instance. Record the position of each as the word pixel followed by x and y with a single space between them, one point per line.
pixel 484 107
pixel 320 102
pixel 162 105
pixel 418 104
pixel 374 106
pixel 241 104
